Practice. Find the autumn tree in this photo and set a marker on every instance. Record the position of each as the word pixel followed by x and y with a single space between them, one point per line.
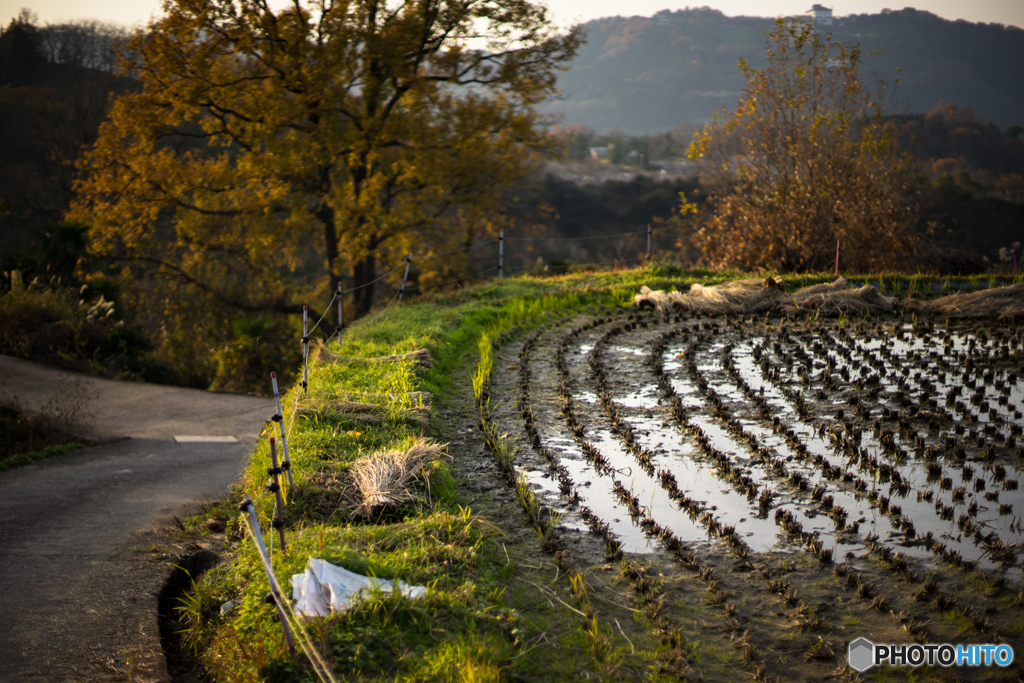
pixel 270 151
pixel 806 159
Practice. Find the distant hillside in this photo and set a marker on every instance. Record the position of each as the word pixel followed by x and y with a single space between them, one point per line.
pixel 648 74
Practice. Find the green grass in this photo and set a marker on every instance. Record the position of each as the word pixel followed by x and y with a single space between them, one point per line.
pixel 29 458
pixel 490 612
pixel 482 618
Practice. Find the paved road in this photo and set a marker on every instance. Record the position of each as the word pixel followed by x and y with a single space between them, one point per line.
pixel 77 602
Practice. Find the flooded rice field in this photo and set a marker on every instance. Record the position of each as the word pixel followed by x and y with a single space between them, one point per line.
pixel 793 484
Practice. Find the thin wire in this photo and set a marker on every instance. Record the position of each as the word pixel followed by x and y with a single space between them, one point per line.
pixel 367 284
pixel 572 239
pixel 305 641
pixel 410 289
pixel 353 289
pixel 381 310
pixel 457 251
pixel 291 419
pixel 582 265
pixel 441 284
pixel 326 311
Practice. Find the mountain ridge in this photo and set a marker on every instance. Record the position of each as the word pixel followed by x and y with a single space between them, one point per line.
pixel 643 75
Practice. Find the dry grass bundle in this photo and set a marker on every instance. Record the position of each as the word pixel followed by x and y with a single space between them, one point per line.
pixel 826 288
pixel 997 302
pixel 737 297
pixel 383 478
pixel 419 356
pixel 759 296
pixel 835 298
pixel 371 413
pixel 658 298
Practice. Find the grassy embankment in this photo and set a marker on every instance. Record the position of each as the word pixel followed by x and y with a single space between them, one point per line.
pixel 493 609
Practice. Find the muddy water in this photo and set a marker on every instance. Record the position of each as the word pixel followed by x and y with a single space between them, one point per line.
pixel 922 512
pixel 647 489
pixel 802 356
pixel 910 361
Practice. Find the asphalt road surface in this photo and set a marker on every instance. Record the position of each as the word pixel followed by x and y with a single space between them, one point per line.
pixel 78 594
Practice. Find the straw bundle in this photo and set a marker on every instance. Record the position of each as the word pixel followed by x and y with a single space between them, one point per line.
pixel 382 479
pixel 834 298
pixel 737 297
pixel 801 294
pixel 997 302
pixel 648 298
pixel 420 357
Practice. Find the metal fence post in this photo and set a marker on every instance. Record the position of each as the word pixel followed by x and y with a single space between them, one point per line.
pixel 648 243
pixel 341 319
pixel 405 278
pixel 275 590
pixel 279 419
pixel 275 488
pixel 501 253
pixel 305 349
pixel 837 256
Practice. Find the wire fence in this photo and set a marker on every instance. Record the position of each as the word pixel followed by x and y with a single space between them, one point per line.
pixel 630 254
pixel 500 268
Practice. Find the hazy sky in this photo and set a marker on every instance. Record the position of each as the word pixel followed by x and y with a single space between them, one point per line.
pixel 565 11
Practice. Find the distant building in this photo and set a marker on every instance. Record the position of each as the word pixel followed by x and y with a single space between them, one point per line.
pixel 599 153
pixel 822 15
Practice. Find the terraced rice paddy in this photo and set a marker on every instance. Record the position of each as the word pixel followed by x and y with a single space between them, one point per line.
pixel 781 487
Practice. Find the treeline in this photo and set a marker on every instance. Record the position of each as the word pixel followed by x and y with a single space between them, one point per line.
pixel 579 226
pixel 56 85
pixel 623 148
pixel 970 190
pixel 972 196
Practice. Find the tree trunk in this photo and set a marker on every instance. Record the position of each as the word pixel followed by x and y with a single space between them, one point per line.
pixel 326 215
pixel 363 274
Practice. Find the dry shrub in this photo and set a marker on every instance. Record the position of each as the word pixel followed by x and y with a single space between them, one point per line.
pixel 382 479
pixel 997 302
pixel 808 157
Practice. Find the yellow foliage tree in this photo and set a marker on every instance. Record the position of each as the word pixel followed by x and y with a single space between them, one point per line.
pixel 806 159
pixel 270 150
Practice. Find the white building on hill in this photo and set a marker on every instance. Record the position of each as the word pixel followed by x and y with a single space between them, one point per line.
pixel 822 15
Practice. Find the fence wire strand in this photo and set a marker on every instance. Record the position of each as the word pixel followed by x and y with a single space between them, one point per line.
pixel 573 239
pixel 621 262
pixel 458 251
pixel 323 672
pixel 326 311
pixel 449 282
pixel 373 282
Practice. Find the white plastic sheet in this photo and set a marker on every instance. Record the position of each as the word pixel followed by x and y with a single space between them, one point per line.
pixel 325 588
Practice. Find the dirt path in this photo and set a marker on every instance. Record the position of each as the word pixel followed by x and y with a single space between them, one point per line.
pixel 84 538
